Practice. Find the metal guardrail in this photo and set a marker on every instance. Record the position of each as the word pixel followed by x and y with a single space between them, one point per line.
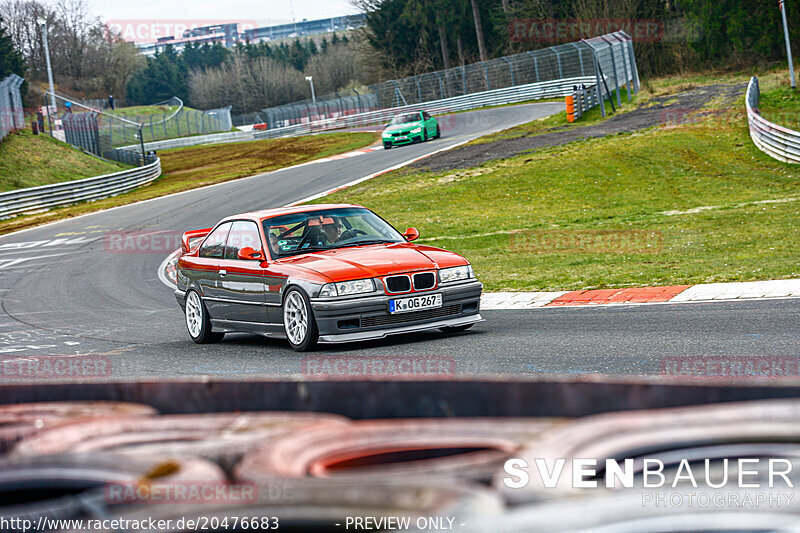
pixel 508 95
pixel 36 199
pixel 585 98
pixel 776 141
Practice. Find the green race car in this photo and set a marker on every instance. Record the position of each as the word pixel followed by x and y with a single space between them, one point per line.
pixel 409 128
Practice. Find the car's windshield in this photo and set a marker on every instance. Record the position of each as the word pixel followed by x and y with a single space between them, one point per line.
pixel 405 119
pixel 326 229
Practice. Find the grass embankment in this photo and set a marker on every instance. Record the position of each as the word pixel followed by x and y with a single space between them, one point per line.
pixel 192 167
pixel 675 204
pixel 28 160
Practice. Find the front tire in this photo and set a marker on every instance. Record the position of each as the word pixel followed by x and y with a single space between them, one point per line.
pixel 298 321
pixel 438 133
pixel 198 322
pixel 387 146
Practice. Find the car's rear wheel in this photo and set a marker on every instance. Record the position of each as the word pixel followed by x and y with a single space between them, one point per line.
pixel 198 322
pixel 455 329
pixel 298 321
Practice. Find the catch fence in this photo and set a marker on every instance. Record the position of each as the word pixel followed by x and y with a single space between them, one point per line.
pixel 11 113
pixel 609 59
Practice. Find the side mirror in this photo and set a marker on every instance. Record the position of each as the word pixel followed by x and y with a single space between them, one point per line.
pixel 248 253
pixel 411 234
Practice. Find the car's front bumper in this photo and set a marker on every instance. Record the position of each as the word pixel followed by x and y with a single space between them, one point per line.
pixel 365 318
pixel 394 141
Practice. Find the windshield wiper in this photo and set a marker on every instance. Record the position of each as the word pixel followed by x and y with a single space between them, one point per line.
pixel 359 243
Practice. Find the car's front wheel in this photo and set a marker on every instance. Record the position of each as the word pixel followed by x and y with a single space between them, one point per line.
pixel 438 133
pixel 198 322
pixel 298 321
pixel 387 146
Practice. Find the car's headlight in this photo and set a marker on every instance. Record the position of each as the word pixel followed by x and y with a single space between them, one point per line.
pixel 416 130
pixel 347 288
pixel 455 273
pixel 387 134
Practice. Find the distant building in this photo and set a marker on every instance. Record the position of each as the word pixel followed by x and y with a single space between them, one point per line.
pixel 228 34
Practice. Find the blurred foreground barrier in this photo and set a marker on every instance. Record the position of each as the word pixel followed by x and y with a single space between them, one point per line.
pixel 71 486
pixel 766 429
pixel 219 437
pixel 18 421
pixel 388 449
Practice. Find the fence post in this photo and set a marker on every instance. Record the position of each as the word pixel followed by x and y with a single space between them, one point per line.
pixel 510 70
pixel 558 61
pixel 599 81
pixel 614 68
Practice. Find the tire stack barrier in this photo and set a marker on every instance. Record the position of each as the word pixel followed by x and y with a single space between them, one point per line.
pixel 312 470
pixel 71 486
pixel 18 421
pixel 394 449
pixel 220 437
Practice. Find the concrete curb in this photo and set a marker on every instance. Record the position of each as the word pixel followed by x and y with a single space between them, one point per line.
pixel 748 290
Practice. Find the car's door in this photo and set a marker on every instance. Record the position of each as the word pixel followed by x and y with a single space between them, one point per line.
pixel 430 124
pixel 206 276
pixel 241 282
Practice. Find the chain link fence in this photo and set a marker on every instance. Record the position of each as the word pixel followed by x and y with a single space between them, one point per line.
pixel 176 121
pixel 11 114
pixel 609 58
pixel 121 137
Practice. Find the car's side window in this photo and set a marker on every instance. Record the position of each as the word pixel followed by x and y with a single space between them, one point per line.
pixel 244 234
pixel 214 245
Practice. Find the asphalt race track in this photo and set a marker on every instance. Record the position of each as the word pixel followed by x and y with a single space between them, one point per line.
pixel 65 293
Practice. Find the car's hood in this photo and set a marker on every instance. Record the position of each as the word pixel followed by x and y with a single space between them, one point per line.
pixel 402 127
pixel 375 260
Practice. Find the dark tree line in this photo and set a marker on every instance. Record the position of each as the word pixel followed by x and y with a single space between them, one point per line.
pixel 170 73
pixel 414 36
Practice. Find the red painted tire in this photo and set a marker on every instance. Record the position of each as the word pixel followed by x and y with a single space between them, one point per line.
pixel 22 420
pixel 219 437
pixel 395 449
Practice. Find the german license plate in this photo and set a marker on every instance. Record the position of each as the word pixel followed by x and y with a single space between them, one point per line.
pixel 417 303
pixel 402 137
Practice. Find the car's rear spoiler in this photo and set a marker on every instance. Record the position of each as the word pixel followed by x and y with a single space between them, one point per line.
pixel 193 235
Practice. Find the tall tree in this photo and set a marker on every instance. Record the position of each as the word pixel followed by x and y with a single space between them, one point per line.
pixel 476 13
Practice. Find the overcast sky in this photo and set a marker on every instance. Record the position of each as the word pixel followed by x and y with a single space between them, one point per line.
pixel 263 13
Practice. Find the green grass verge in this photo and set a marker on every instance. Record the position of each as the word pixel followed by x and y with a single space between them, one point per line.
pixel 193 167
pixel 28 160
pixel 137 110
pixel 560 218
